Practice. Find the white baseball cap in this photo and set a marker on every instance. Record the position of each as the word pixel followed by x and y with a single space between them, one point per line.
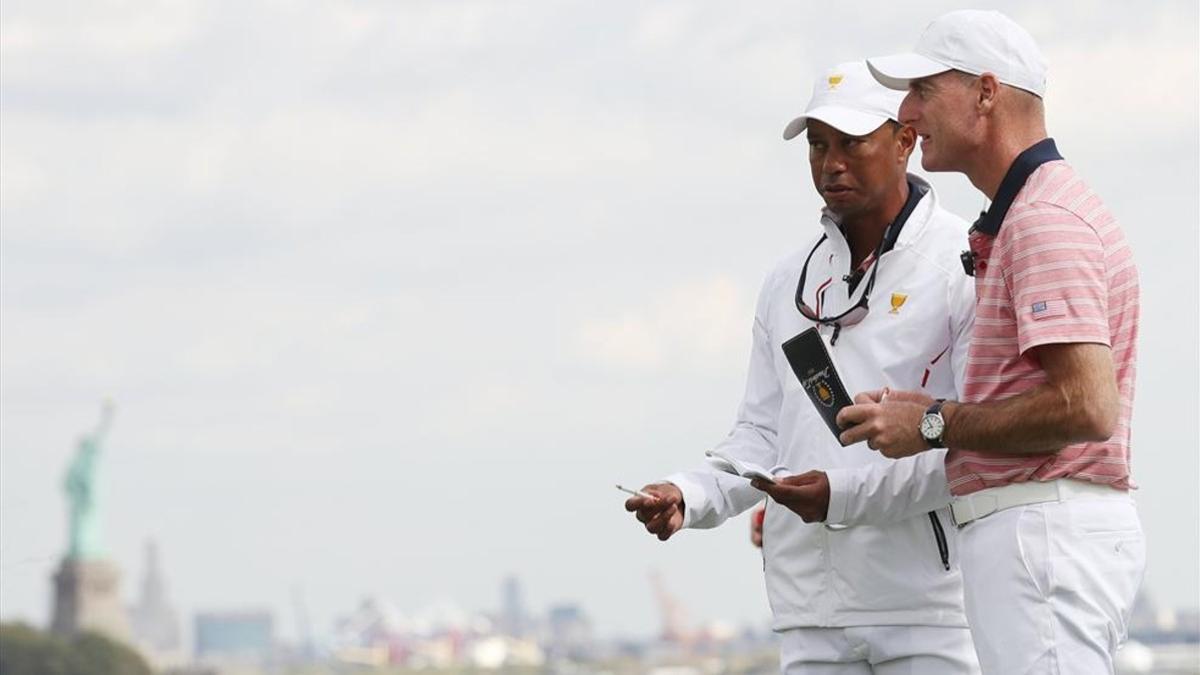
pixel 973 41
pixel 848 99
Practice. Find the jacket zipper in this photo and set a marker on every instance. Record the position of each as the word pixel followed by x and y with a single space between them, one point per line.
pixel 940 535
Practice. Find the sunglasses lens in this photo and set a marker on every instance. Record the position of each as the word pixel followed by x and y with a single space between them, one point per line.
pixel 854 316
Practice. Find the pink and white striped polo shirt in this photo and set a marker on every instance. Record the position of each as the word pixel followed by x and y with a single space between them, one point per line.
pixel 1052 266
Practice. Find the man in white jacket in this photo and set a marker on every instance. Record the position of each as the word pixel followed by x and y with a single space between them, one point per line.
pixel 884 285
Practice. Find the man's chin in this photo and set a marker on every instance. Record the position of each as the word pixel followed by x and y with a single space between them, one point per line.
pixel 935 163
pixel 842 209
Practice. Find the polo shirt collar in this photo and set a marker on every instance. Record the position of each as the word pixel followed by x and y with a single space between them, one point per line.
pixel 1025 164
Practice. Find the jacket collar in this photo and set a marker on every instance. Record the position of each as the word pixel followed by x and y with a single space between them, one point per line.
pixel 1025 164
pixel 909 223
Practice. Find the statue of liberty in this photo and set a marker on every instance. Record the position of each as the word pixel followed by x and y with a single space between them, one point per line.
pixel 80 488
pixel 87 594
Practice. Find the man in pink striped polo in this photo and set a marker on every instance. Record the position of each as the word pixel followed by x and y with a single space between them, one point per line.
pixel 1038 461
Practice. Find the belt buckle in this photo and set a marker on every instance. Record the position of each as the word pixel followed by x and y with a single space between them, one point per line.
pixel 963 503
pixel 978 511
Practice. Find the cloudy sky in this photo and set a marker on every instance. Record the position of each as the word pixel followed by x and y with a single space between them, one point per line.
pixel 389 294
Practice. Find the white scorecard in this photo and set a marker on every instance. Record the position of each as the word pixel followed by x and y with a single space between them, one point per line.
pixel 722 462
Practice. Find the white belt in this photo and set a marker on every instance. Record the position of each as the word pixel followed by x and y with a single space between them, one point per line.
pixel 990 500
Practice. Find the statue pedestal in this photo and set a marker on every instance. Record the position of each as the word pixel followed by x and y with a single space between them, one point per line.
pixel 86 598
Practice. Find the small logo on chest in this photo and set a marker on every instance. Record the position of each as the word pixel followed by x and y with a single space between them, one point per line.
pixel 898 300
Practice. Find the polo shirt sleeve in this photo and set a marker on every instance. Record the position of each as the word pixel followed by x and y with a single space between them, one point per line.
pixel 1053 263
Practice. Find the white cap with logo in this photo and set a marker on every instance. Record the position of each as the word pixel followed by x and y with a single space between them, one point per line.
pixel 973 41
pixel 848 99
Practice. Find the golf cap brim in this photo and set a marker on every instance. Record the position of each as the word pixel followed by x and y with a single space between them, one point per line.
pixel 846 120
pixel 898 70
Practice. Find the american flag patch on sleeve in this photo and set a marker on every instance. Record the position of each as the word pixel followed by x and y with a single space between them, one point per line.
pixel 1044 309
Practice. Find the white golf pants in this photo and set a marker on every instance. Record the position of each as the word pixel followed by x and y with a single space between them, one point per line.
pixel 1049 587
pixel 877 650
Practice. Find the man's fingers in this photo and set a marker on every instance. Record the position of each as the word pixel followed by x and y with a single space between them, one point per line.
pixel 872 396
pixel 766 486
pixel 855 434
pixel 910 397
pixel 807 489
pixel 856 414
pixel 661 490
pixel 660 523
pixel 792 493
pixel 636 503
pixel 657 509
pixel 806 478
pixel 777 490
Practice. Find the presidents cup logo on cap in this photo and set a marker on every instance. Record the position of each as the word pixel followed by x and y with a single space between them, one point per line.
pixel 971 41
pixel 848 99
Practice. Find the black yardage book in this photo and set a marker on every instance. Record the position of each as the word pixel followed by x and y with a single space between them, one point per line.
pixel 810 361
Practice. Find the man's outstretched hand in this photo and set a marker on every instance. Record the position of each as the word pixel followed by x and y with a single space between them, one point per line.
pixel 806 494
pixel 662 515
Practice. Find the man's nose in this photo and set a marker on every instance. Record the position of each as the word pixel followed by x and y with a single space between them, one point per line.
pixel 835 162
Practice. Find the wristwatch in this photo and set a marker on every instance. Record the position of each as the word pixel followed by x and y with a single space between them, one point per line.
pixel 933 425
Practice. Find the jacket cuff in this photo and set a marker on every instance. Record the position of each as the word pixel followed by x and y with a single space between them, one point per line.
pixel 695 501
pixel 839 495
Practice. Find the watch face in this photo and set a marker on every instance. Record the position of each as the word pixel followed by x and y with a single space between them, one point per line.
pixel 932 427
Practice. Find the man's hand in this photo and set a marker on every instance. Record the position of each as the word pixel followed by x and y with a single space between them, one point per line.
pixel 807 494
pixel 756 526
pixel 889 421
pixel 662 515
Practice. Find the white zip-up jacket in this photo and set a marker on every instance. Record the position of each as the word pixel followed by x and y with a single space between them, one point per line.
pixel 893 564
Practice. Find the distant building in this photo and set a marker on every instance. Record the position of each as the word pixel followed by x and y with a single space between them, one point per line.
pixel 1155 624
pixel 569 632
pixel 153 620
pixel 513 617
pixel 234 636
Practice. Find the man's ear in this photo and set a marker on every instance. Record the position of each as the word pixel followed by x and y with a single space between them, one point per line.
pixel 988 92
pixel 906 142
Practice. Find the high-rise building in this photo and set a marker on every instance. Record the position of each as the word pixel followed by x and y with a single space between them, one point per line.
pixel 513 617
pixel 570 632
pixel 154 621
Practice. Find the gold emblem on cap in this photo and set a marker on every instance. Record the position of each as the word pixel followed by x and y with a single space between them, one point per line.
pixel 898 302
pixel 835 80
